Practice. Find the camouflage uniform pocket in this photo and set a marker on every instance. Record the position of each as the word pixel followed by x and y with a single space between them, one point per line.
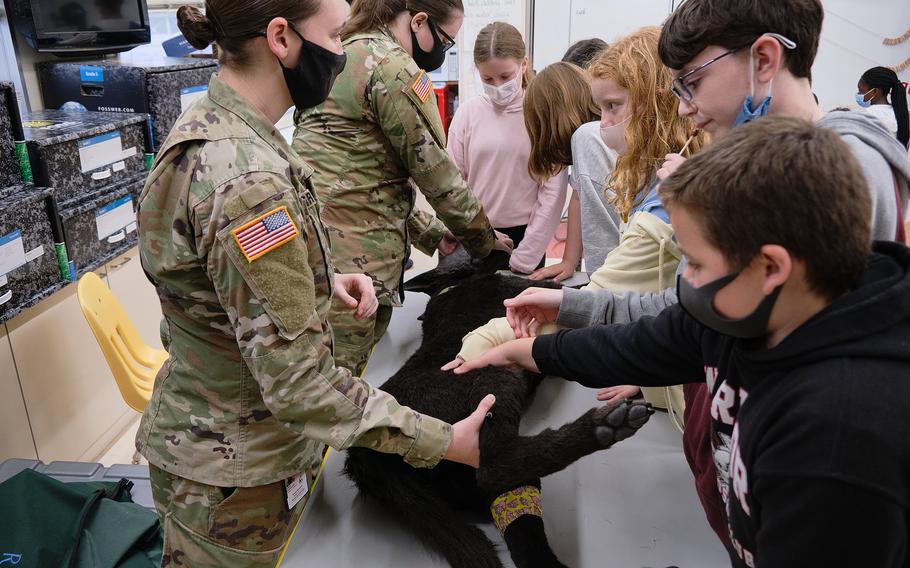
pixel 207 526
pixel 427 110
pixel 280 278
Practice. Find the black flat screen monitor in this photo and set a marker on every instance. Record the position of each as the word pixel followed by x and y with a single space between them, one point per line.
pixel 80 27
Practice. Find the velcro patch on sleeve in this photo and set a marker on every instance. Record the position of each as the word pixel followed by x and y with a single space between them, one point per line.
pixel 265 233
pixel 422 86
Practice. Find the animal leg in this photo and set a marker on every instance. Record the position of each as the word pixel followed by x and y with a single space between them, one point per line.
pixel 417 503
pixel 552 450
pixel 518 514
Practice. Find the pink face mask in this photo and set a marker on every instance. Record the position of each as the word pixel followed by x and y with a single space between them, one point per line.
pixel 615 136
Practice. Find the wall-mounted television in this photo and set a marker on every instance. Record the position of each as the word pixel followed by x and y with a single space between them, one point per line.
pixel 81 27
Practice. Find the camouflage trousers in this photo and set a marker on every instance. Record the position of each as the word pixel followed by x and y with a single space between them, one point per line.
pixel 213 526
pixel 354 340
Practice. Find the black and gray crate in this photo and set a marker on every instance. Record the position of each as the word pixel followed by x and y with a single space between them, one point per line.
pixel 78 153
pixel 163 87
pixel 69 472
pixel 101 226
pixel 29 270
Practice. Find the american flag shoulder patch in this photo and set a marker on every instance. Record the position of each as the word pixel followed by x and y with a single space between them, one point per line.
pixel 422 86
pixel 265 233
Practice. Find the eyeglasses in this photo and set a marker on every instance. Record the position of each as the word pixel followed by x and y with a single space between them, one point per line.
pixel 679 86
pixel 448 41
pixel 681 89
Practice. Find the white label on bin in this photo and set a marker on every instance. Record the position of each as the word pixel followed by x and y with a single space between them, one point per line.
pixel 118 166
pixel 129 153
pixel 34 253
pixel 12 252
pixel 190 95
pixel 131 227
pixel 100 151
pixel 114 216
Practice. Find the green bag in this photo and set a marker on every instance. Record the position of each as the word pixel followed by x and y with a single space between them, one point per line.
pixel 46 523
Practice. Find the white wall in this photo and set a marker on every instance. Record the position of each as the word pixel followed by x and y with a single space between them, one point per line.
pixel 852 42
pixel 560 23
pixel 851 38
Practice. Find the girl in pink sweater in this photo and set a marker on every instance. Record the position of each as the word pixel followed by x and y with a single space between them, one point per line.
pixel 490 145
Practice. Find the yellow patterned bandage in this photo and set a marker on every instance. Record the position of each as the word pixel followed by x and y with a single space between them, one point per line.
pixel 515 503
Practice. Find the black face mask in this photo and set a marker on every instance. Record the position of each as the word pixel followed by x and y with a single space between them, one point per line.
pixel 429 60
pixel 311 80
pixel 699 303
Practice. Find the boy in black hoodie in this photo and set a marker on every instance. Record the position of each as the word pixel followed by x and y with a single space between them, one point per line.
pixel 802 332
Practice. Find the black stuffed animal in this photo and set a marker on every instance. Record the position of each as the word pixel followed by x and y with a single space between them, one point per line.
pixel 464 295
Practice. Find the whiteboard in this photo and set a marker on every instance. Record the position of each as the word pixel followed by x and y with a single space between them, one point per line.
pixel 560 23
pixel 477 14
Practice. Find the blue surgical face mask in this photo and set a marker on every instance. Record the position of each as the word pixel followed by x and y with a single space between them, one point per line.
pixel 747 114
pixel 861 99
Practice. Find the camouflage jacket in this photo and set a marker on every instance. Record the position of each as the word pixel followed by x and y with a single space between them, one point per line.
pixel 380 127
pixel 229 234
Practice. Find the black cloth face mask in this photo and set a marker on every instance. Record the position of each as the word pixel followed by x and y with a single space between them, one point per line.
pixel 699 303
pixel 311 80
pixel 429 60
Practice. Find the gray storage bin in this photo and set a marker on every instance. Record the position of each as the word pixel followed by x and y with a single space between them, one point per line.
pixel 27 237
pixel 160 86
pixel 77 153
pixel 102 225
pixel 69 472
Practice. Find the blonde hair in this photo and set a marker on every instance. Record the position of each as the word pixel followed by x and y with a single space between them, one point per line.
pixel 558 101
pixel 655 129
pixel 500 40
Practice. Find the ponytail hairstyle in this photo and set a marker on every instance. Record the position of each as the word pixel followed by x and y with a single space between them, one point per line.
pixel 655 128
pixel 500 40
pixel 886 81
pixel 558 101
pixel 230 24
pixel 372 15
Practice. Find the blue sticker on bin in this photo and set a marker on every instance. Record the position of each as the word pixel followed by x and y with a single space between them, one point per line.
pixel 91 73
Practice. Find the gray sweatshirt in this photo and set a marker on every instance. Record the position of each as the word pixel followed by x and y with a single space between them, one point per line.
pixel 881 157
pixel 592 163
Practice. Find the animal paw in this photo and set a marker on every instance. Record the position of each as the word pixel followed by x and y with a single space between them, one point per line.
pixel 618 422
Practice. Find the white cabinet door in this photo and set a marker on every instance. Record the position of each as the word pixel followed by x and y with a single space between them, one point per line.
pixel 16 441
pixel 74 405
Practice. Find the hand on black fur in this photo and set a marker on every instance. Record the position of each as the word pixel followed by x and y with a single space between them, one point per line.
pixel 620 421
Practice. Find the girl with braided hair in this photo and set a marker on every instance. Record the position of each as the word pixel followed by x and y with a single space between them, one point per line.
pixel 873 90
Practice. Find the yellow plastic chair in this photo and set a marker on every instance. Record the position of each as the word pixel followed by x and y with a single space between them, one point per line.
pixel 133 363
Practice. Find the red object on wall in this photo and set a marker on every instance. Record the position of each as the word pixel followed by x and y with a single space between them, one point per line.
pixel 442 100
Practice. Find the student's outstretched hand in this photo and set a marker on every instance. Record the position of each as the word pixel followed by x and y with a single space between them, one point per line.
pixel 557 272
pixel 618 393
pixel 503 242
pixel 447 244
pixel 671 163
pixel 516 353
pixel 356 291
pixel 465 445
pixel 532 308
pixel 453 364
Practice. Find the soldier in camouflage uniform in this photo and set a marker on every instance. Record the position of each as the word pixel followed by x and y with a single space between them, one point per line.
pixel 241 411
pixel 377 137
